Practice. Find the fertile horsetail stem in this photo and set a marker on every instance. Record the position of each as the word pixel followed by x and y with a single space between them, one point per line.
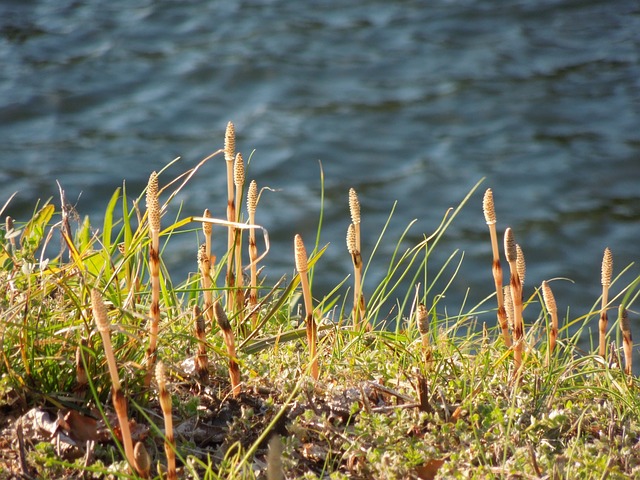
pixel 356 258
pixel 165 405
pixel 153 215
pixel 552 308
pixel 511 252
pixel 312 334
pixel 119 401
pixel 238 180
pixel 607 273
pixel 230 156
pixel 229 341
pixel 521 265
pixel 204 264
pixel 490 217
pixel 627 345
pixel 202 362
pixel 422 319
pixel 252 203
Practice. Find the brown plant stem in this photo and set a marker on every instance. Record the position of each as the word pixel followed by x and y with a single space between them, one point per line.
pixel 229 341
pixel 165 405
pixel 119 401
pixel 490 218
pixel 252 203
pixel 550 303
pixel 312 334
pixel 516 297
pixel 230 156
pixel 607 272
pixel 238 180
pixel 153 217
pixel 627 344
pixel 202 362
pixel 204 264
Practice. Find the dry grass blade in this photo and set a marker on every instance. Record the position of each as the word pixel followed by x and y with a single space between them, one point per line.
pixel 627 344
pixel 153 216
pixel 607 272
pixel 552 308
pixel 511 252
pixel 490 217
pixel 229 341
pixel 119 401
pixel 165 405
pixel 302 267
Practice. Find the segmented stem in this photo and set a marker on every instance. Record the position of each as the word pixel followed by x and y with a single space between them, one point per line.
pixel 607 273
pixel 229 341
pixel 165 405
pixel 230 156
pixel 490 217
pixel 627 344
pixel 238 179
pixel 202 362
pixel 550 303
pixel 119 401
pixel 511 253
pixel 312 334
pixel 252 203
pixel 153 214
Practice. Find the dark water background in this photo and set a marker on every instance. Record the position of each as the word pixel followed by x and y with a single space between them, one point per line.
pixel 412 101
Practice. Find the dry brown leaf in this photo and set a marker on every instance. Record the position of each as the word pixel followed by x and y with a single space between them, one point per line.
pixel 429 470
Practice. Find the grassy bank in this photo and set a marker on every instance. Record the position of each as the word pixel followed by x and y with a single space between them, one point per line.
pixel 112 368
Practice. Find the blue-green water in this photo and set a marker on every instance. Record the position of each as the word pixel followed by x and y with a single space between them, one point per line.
pixel 412 101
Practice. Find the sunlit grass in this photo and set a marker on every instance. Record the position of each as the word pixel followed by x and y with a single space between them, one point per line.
pixel 431 390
